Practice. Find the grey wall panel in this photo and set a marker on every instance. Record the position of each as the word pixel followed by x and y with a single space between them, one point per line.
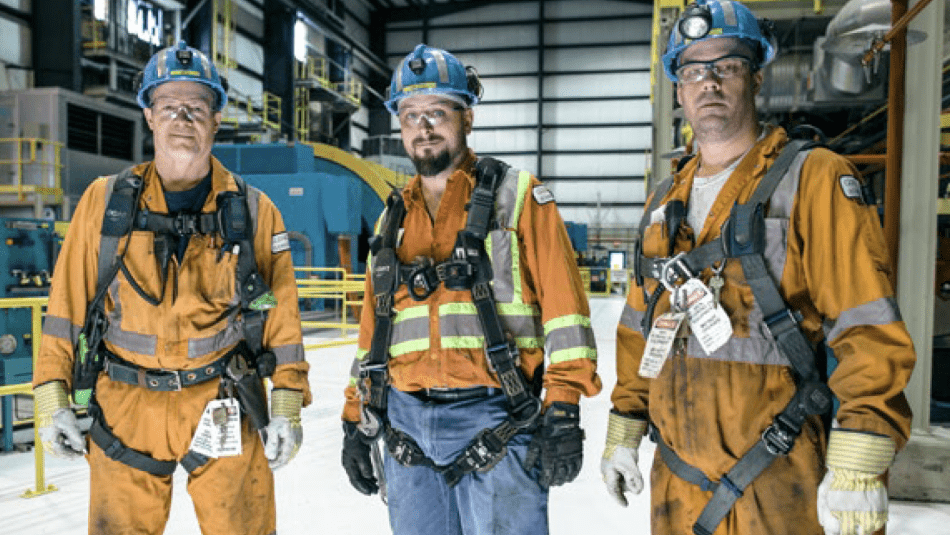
pixel 249 54
pixel 597 58
pixel 505 140
pixel 518 87
pixel 615 191
pixel 593 165
pixel 401 42
pixel 243 84
pixel 605 138
pixel 493 115
pixel 596 85
pixel 499 36
pixel 573 8
pixel 489 63
pixel 587 32
pixel 492 13
pixel 248 17
pixel 16 43
pixel 605 111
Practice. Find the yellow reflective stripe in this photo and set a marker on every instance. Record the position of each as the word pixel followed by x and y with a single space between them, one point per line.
pixel 463 342
pixel 411 313
pixel 353 381
pixel 457 308
pixel 517 309
pixel 515 269
pixel 533 342
pixel 574 353
pixel 569 320
pixel 408 347
pixel 361 354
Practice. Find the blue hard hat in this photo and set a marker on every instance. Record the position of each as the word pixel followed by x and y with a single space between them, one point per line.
pixel 714 19
pixel 429 71
pixel 180 63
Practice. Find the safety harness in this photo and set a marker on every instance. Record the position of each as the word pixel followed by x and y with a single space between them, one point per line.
pixel 469 268
pixel 240 369
pixel 743 239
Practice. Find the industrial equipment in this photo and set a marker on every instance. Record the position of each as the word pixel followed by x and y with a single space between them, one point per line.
pixel 30 248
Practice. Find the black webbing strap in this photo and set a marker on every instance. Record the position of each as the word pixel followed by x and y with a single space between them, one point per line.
pixel 114 449
pixel 374 368
pixel 183 224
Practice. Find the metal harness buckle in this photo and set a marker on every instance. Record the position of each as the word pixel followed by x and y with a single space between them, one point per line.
pixel 674 270
pixel 779 436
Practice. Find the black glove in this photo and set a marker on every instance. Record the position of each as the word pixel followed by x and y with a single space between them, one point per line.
pixel 357 461
pixel 557 445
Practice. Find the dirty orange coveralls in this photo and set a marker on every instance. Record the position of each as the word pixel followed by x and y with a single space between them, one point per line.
pixel 828 255
pixel 197 322
pixel 442 343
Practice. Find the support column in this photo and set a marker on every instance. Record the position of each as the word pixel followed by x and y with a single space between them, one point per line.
pixel 919 472
pixel 56 44
pixel 279 60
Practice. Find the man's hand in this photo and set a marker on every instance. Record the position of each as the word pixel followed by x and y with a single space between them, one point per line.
pixel 284 432
pixel 618 466
pixel 58 427
pixel 852 499
pixel 557 446
pixel 357 460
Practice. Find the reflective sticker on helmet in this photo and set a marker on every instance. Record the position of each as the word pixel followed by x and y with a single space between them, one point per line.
pixel 542 195
pixel 184 73
pixel 851 187
pixel 729 13
pixel 416 87
pixel 443 68
pixel 399 75
pixel 279 243
pixel 160 66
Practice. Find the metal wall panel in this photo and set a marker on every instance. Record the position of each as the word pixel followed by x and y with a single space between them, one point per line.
pixel 526 11
pixel 494 37
pixel 604 111
pixel 249 54
pixel 574 8
pixel 490 115
pixel 610 191
pixel 590 166
pixel 494 141
pixel 607 217
pixel 595 31
pixel 597 58
pixel 502 62
pixel 596 85
pixel 600 138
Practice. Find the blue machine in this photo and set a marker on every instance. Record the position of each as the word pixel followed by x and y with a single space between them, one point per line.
pixel 577 232
pixel 30 247
pixel 322 193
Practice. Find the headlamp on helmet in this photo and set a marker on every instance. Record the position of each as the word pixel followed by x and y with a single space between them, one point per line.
pixel 695 22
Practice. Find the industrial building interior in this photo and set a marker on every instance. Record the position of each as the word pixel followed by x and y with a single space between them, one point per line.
pixel 573 92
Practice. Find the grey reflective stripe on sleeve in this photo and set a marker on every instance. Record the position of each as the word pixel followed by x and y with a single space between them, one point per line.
pixel 440 63
pixel 253 201
pixel 522 326
pixel 506 199
pixel 631 318
pixel 569 337
pixel 776 223
pixel 61 328
pixel 227 337
pixel 878 312
pixel 776 247
pixel 289 353
pixel 782 199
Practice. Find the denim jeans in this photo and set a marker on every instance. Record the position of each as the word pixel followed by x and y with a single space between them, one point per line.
pixel 507 500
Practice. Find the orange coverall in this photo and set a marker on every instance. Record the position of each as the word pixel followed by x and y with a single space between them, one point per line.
pixel 827 253
pixel 197 322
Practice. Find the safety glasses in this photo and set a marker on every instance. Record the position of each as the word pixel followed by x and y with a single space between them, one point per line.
pixel 192 110
pixel 725 67
pixel 436 115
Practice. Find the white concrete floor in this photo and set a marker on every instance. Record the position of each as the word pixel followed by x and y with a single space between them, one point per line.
pixel 314 496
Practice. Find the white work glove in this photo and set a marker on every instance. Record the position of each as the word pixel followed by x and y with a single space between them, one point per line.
pixel 618 466
pixel 58 427
pixel 852 499
pixel 284 432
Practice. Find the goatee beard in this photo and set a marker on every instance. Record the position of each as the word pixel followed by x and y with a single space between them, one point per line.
pixel 432 165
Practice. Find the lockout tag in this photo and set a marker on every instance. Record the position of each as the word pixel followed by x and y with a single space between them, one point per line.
pixel 659 343
pixel 222 438
pixel 708 321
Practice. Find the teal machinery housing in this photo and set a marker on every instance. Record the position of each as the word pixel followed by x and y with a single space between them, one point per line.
pixel 322 192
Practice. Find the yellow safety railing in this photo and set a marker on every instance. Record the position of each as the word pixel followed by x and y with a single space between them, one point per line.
pixel 316 69
pixel 223 33
pixel 332 284
pixel 36 304
pixel 29 151
pixel 352 90
pixel 270 113
pixel 302 113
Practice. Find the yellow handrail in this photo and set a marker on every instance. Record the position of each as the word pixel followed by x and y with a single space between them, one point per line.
pixel 52 186
pixel 36 304
pixel 340 285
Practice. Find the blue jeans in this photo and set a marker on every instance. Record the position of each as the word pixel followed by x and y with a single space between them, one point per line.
pixel 505 500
